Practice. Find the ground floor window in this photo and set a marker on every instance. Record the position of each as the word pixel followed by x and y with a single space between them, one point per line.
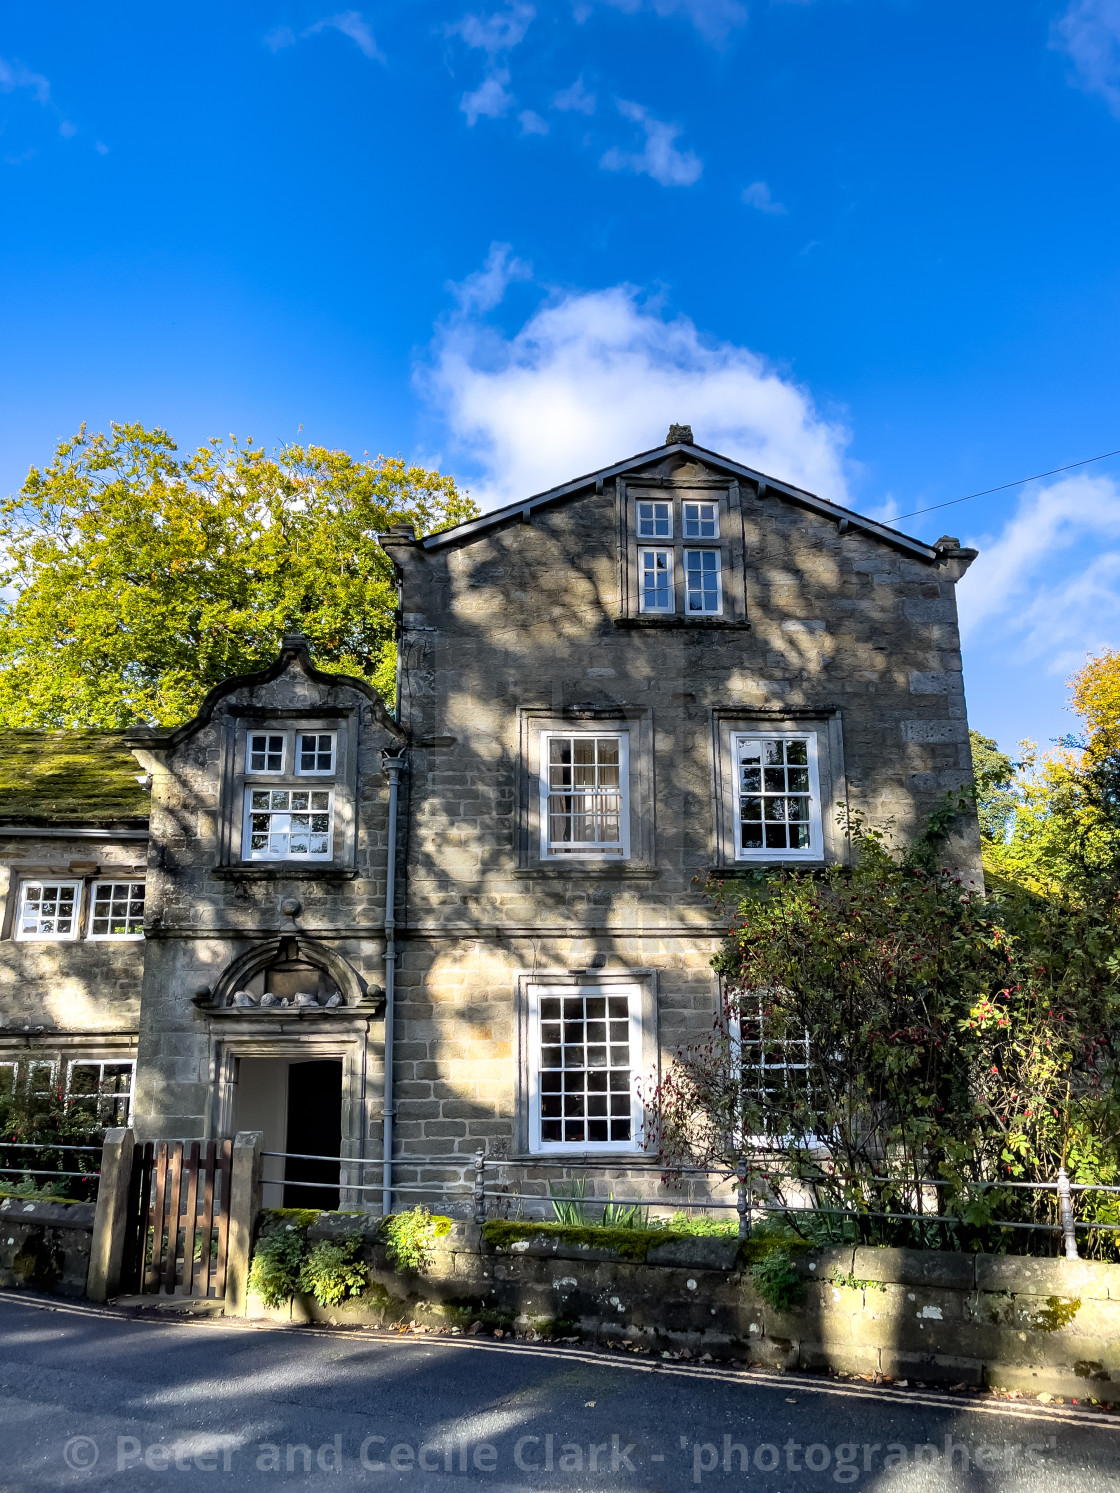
pixel 774 1068
pixel 99 1087
pixel 586 1052
pixel 103 1090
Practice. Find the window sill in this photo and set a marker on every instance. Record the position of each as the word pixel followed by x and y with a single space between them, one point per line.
pixel 592 871
pixel 283 871
pixel 650 619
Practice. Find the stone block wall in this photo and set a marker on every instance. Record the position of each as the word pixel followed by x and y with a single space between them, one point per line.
pixel 45 1246
pixel 1041 1326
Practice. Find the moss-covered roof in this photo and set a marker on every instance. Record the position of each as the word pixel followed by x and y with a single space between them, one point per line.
pixel 69 778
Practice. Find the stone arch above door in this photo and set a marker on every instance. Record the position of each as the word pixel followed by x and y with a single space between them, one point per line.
pixel 304 965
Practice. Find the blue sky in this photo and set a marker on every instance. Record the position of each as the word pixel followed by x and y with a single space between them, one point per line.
pixel 869 245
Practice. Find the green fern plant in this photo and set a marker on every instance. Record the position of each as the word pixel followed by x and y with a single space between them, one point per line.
pixel 410 1237
pixel 334 1270
pixel 274 1275
pixel 776 1279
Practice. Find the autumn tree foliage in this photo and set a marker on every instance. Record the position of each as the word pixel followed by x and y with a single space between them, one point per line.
pixel 136 578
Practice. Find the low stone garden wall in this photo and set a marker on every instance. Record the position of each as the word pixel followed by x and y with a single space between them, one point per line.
pixel 1036 1325
pixel 45 1245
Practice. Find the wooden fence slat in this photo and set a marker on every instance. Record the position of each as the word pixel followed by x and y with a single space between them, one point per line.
pixel 155 1213
pixel 175 1175
pixel 225 1169
pixel 206 1222
pixel 190 1220
pixel 134 1221
pixel 143 1218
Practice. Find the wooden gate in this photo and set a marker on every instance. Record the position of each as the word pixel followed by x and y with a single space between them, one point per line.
pixel 178 1215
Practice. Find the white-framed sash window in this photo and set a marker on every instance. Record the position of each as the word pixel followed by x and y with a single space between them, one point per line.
pixel 585 795
pixel 289 824
pixel 772 1070
pixel 779 798
pixel 655 520
pixel 655 579
pixel 703 582
pixel 48 910
pixel 265 751
pixel 585 1044
pixel 102 1089
pixel 315 753
pixel 700 520
pixel 117 910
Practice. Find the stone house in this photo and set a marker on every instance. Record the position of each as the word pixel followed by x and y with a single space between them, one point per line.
pixel 672 666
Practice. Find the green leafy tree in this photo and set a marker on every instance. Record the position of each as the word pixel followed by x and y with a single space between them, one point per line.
pixel 996 800
pixel 1064 840
pixel 881 1022
pixel 140 578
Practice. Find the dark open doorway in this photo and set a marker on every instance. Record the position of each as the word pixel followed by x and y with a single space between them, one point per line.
pixel 315 1127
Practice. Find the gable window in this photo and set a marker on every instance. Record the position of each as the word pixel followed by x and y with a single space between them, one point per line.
pixel 288 824
pixel 702 585
pixel 586 1046
pixel 683 556
pixel 656 580
pixel 314 753
pixel 779 797
pixel 700 520
pixel 48 910
pixel 265 752
pixel 584 787
pixel 101 1090
pixel 118 910
pixel 655 520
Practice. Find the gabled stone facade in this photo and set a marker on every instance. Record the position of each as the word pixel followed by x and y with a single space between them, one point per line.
pixel 606 693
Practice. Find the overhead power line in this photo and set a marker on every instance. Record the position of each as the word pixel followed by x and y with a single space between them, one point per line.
pixel 1002 487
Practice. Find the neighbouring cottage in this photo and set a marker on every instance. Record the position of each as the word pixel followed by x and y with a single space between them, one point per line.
pixel 671 666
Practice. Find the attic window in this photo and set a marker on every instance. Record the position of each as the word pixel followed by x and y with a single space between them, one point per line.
pixel 315 753
pixel 266 752
pixel 655 520
pixel 701 520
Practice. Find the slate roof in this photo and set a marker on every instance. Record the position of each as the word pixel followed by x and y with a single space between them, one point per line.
pixel 633 465
pixel 70 778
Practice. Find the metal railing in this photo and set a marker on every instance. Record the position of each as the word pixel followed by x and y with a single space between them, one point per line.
pixel 41 1146
pixel 744 1178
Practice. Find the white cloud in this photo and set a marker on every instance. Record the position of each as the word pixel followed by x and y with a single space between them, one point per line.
pixel 660 158
pixel 352 24
pixel 593 377
pixel 758 195
pixel 485 289
pixel 282 37
pixel 714 19
pixel 575 100
pixel 491 98
pixel 1049 583
pixel 495 33
pixel 14 75
pixel 1089 32
pixel 532 123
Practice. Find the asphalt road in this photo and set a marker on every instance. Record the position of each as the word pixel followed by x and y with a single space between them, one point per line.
pixel 94 1400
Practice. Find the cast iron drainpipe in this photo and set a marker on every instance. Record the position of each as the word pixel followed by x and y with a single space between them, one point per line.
pixel 394 764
